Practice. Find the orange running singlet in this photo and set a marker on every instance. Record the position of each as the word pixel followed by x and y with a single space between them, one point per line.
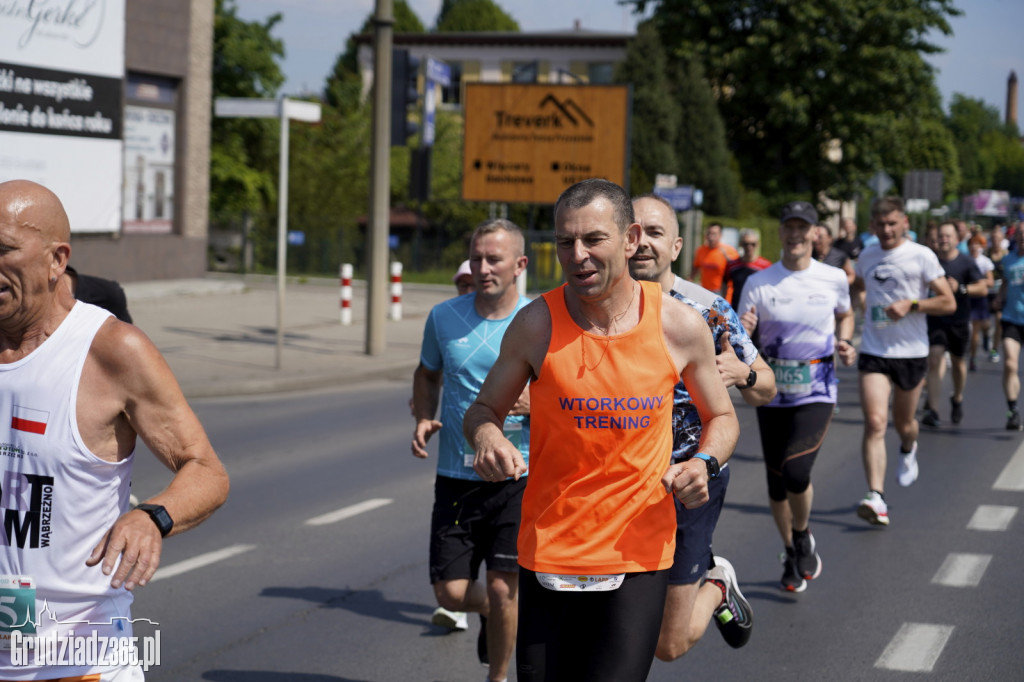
pixel 600 441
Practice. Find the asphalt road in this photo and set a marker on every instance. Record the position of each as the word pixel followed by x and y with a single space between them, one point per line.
pixel 348 599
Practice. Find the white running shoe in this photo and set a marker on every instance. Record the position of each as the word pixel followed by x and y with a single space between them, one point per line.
pixel 873 509
pixel 906 474
pixel 453 620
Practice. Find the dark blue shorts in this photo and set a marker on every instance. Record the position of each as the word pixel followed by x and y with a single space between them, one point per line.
pixel 694 528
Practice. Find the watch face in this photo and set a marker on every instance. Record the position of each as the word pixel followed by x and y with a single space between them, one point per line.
pixel 160 517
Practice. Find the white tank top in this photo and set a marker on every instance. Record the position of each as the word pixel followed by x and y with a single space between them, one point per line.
pixel 57 499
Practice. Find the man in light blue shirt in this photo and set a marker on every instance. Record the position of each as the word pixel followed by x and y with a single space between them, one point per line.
pixel 473 520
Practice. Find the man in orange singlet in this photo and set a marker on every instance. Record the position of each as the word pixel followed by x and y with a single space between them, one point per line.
pixel 602 355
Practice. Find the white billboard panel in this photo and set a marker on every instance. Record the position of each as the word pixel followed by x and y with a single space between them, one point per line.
pixel 84 173
pixel 61 101
pixel 84 36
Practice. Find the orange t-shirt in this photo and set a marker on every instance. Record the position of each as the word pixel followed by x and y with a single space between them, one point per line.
pixel 600 441
pixel 710 263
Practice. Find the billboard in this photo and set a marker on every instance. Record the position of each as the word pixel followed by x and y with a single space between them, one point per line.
pixel 988 202
pixel 529 142
pixel 61 83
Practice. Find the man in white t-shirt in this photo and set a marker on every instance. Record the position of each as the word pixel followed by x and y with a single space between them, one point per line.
pixel 896 275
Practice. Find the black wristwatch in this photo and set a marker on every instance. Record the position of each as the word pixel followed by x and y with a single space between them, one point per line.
pixel 711 463
pixel 751 380
pixel 160 517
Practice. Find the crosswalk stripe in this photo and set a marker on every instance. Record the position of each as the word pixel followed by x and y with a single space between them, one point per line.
pixel 915 648
pixel 199 561
pixel 992 517
pixel 348 512
pixel 962 570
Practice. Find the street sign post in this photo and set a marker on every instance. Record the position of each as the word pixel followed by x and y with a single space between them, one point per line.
pixel 286 110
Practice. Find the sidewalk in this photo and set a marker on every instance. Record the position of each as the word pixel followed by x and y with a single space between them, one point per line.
pixel 219 334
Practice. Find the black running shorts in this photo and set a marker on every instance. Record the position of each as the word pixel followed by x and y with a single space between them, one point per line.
pixel 906 373
pixel 953 336
pixel 472 522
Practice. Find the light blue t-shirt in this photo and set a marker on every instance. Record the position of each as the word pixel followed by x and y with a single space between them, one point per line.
pixel 1013 275
pixel 464 346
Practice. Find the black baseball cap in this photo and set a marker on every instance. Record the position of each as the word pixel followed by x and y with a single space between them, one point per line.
pixel 801 210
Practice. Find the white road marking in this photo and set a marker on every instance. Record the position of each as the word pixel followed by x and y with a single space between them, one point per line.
pixel 1012 476
pixel 992 517
pixel 348 512
pixel 200 561
pixel 915 648
pixel 962 570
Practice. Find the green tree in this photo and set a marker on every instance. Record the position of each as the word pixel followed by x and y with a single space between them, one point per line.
pixel 792 76
pixel 977 130
pixel 344 85
pixel 243 152
pixel 704 157
pixel 472 16
pixel 655 119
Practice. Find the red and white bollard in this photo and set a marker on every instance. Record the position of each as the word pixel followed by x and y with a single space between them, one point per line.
pixel 346 294
pixel 396 291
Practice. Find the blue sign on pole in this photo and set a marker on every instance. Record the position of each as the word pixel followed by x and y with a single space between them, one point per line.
pixel 681 198
pixel 296 238
pixel 439 72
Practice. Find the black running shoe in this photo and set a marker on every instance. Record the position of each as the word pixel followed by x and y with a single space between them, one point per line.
pixel 734 617
pixel 930 417
pixel 481 642
pixel 791 580
pixel 957 414
pixel 1013 420
pixel 808 563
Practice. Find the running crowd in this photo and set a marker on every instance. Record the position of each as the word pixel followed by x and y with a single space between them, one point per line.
pixel 603 393
pixel 609 394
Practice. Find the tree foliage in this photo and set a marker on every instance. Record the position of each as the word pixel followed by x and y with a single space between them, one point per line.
pixel 344 85
pixel 655 119
pixel 473 15
pixel 792 76
pixel 704 157
pixel 990 151
pixel 243 151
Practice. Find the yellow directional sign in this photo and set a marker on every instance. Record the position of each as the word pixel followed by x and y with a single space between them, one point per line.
pixel 527 143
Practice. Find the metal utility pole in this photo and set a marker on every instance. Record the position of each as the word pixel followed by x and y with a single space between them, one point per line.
pixel 380 181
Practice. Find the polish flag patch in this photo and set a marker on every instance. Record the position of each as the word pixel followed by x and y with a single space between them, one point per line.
pixel 27 419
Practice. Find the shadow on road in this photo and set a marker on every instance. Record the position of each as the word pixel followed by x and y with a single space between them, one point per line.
pixel 370 603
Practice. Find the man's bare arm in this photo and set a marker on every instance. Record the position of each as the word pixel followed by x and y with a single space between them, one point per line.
pixel 426 389
pixel 130 371
pixel 522 352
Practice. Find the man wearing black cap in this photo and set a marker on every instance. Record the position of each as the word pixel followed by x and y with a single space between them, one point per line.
pixel 896 275
pixel 800 310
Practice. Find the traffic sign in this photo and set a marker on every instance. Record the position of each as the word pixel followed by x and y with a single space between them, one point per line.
pixel 681 198
pixel 880 183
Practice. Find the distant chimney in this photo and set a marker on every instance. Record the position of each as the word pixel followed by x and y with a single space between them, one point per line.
pixel 1011 99
pixel 575 24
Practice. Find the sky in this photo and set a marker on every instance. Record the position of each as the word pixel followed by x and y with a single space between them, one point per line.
pixel 985 46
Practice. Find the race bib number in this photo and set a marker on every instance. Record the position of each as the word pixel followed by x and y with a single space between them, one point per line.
pixel 512 430
pixel 878 317
pixel 560 582
pixel 792 377
pixel 17 607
